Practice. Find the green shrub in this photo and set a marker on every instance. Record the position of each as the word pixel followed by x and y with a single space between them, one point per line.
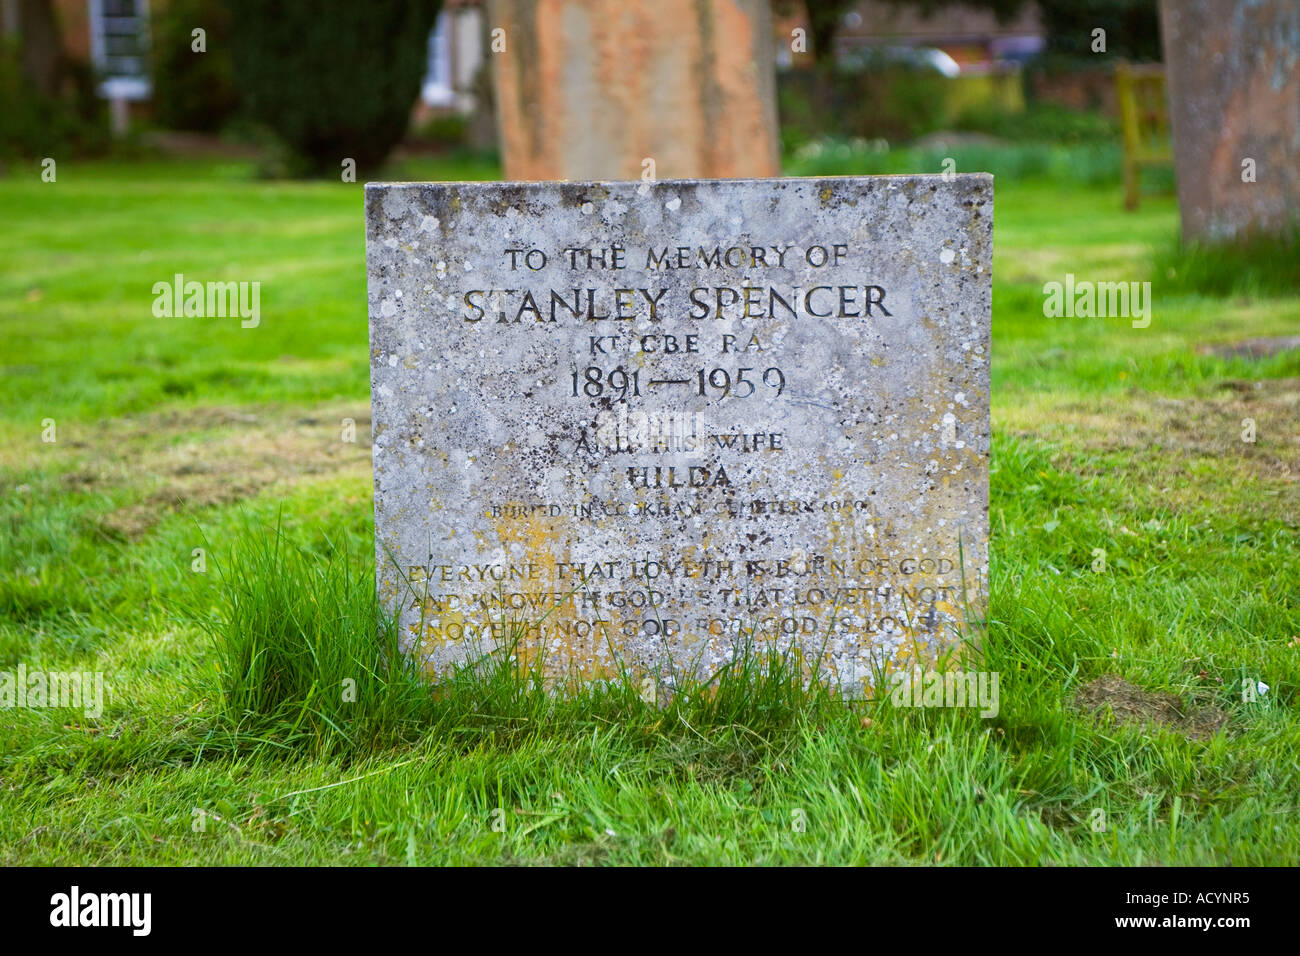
pixel 34 126
pixel 193 91
pixel 894 104
pixel 448 129
pixel 333 80
pixel 1100 164
pixel 1132 28
pixel 1039 123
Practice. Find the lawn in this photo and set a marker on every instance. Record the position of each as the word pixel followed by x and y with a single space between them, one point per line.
pixel 1123 736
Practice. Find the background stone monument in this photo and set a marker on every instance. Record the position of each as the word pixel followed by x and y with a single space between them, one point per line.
pixel 592 89
pixel 1234 90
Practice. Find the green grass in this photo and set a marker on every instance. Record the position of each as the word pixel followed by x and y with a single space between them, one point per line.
pixel 1257 265
pixel 227 736
pixel 1090 164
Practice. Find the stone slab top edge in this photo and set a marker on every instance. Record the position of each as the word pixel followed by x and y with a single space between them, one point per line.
pixel 964 178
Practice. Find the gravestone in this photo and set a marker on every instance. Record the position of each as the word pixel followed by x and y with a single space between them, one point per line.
pixel 1234 96
pixel 629 426
pixel 634 89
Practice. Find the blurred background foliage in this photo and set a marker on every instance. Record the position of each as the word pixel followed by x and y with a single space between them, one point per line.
pixel 191 92
pixel 331 81
pixel 1132 26
pixel 293 88
pixel 63 118
pixel 306 84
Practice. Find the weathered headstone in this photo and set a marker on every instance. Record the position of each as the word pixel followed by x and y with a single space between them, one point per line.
pixel 630 426
pixel 1234 93
pixel 634 89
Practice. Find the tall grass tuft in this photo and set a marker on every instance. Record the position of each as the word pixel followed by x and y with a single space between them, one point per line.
pixel 1256 265
pixel 308 660
pixel 305 655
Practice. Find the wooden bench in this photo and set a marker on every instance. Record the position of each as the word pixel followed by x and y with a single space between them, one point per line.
pixel 1144 118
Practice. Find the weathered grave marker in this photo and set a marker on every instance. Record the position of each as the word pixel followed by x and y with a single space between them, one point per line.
pixel 640 426
pixel 635 89
pixel 1234 106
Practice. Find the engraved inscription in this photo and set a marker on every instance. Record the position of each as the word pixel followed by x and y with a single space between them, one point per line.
pixel 622 429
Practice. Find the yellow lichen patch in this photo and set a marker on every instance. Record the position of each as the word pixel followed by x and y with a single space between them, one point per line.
pixel 564 639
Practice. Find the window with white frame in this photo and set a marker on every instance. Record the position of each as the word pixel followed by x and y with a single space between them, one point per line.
pixel 119 48
pixel 437 89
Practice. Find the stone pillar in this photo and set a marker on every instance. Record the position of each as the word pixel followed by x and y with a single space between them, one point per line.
pixel 590 89
pixel 1233 71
